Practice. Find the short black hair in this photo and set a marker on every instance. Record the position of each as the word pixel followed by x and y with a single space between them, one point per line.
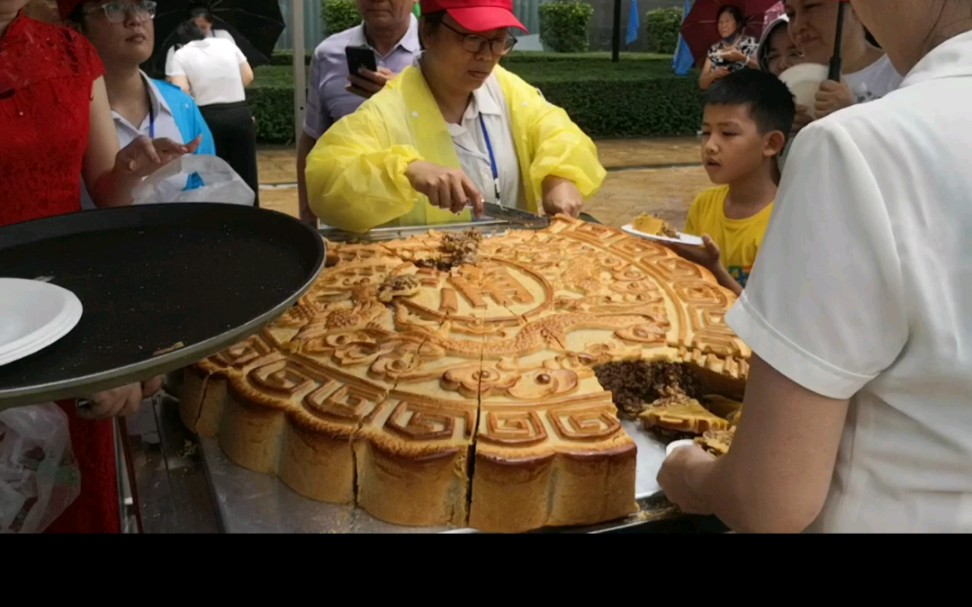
pixel 770 102
pixel 198 9
pixel 736 13
pixel 187 32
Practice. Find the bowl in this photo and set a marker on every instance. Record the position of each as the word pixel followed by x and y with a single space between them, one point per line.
pixel 672 446
pixel 804 81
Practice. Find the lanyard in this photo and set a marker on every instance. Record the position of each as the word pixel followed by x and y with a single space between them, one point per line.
pixel 492 160
pixel 151 120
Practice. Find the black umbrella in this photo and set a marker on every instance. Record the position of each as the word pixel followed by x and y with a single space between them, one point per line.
pixel 254 24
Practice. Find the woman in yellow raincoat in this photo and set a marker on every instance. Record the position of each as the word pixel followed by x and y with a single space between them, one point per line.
pixel 450 133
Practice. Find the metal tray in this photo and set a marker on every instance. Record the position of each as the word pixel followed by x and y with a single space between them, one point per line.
pixel 251 502
pixel 149 277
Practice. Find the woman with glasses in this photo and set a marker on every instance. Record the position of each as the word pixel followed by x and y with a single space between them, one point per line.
pixel 124 36
pixel 216 73
pixel 777 52
pixel 56 133
pixel 868 73
pixel 450 133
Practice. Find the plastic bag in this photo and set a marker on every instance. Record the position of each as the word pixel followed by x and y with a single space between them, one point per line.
pixel 220 183
pixel 39 477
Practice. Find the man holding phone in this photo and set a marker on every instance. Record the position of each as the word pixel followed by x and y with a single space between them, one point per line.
pixel 387 40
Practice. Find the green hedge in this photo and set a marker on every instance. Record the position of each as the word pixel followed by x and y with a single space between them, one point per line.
pixel 564 25
pixel 662 27
pixel 637 97
pixel 339 15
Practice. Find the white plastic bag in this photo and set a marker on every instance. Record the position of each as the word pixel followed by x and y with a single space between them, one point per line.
pixel 221 183
pixel 39 477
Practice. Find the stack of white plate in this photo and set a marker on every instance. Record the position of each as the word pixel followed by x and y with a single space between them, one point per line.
pixel 33 315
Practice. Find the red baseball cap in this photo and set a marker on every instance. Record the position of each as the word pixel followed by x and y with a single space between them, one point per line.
pixel 476 15
pixel 66 7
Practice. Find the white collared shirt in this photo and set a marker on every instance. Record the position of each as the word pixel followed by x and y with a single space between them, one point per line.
pixel 328 99
pixel 863 291
pixel 489 103
pixel 163 125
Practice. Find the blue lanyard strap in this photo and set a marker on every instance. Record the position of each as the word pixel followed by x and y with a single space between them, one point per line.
pixel 151 120
pixel 492 160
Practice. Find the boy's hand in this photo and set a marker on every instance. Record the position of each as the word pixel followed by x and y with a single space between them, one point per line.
pixel 833 96
pixel 708 255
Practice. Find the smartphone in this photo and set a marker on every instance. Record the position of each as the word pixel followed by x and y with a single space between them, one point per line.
pixel 360 57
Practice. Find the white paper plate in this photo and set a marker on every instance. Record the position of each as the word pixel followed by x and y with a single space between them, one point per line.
pixel 688 239
pixel 804 81
pixel 34 315
pixel 687 442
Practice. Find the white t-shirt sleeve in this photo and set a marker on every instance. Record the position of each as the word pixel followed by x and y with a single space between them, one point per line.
pixel 240 57
pixel 174 66
pixel 825 305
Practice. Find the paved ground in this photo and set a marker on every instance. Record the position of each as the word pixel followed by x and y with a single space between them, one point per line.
pixel 660 176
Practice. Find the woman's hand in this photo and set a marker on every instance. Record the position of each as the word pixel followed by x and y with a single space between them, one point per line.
pixel 801 119
pixel 735 56
pixel 121 401
pixel 561 196
pixel 446 188
pixel 144 156
pixel 833 96
pixel 673 478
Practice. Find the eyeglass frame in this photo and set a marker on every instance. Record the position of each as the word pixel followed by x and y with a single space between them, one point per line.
pixel 510 40
pixel 145 7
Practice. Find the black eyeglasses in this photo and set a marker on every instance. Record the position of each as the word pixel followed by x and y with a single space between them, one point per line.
pixel 474 43
pixel 116 12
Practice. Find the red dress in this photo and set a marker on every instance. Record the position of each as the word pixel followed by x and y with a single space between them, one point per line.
pixel 46 75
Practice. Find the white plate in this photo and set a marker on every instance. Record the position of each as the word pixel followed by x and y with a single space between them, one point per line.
pixel 688 239
pixel 687 442
pixel 804 81
pixel 34 315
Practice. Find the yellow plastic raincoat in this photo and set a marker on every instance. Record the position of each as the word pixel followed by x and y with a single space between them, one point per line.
pixel 356 172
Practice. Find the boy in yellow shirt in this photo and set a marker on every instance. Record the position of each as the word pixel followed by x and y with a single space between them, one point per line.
pixel 747 117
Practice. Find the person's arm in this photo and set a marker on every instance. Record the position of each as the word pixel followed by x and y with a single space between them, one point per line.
pixel 832 97
pixel 709 257
pixel 317 120
pixel 182 82
pixel 207 146
pixel 356 177
pixel 111 174
pixel 776 476
pixel 175 74
pixel 121 401
pixel 564 164
pixel 710 75
pixel 304 146
pixel 246 72
pixel 561 196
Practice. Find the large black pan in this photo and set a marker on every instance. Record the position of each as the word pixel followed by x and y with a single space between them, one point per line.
pixel 149 277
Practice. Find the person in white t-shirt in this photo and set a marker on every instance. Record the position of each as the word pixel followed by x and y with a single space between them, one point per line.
pixel 858 410
pixel 216 73
pixel 867 72
pixel 203 17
